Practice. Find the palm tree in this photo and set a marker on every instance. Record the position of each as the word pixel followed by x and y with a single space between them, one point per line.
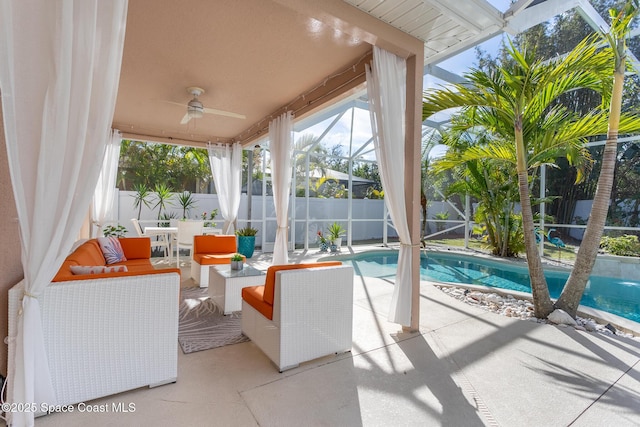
pixel 142 197
pixel 489 181
pixel 429 141
pixel 575 286
pixel 187 201
pixel 518 103
pixel 163 198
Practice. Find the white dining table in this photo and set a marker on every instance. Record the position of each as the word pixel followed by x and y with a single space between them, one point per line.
pixel 158 231
pixel 173 231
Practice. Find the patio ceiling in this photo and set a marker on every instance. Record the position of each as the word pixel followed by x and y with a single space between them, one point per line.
pixel 256 57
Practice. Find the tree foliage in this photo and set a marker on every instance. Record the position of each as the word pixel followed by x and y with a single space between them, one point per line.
pixel 518 104
pixel 616 43
pixel 554 38
pixel 178 167
pixel 321 161
pixel 490 182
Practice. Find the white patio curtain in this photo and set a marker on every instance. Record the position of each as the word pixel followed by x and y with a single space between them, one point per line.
pixel 59 73
pixel 226 168
pixel 386 89
pixel 102 206
pixel 280 144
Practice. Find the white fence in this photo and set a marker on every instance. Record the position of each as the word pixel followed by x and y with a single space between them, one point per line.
pixel 364 219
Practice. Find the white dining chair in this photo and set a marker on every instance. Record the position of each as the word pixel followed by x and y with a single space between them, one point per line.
pixel 184 238
pixel 157 240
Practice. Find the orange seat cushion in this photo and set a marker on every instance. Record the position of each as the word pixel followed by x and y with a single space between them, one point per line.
pixel 88 253
pixel 137 264
pixel 214 244
pixel 211 259
pixel 253 295
pixel 65 271
pixel 137 250
pixel 136 247
pixel 270 282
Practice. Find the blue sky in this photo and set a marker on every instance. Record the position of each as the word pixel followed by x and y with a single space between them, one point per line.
pixel 465 60
pixel 462 62
pixel 501 5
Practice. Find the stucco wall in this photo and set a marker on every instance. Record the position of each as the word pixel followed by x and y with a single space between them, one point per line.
pixel 10 265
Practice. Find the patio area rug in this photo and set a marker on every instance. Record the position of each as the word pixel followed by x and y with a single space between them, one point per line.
pixel 202 325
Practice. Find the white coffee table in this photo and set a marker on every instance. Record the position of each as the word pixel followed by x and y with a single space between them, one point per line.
pixel 225 285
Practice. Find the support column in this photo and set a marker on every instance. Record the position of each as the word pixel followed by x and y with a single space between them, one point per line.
pixel 249 185
pixel 412 147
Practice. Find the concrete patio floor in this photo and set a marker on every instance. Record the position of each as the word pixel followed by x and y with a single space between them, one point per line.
pixel 465 367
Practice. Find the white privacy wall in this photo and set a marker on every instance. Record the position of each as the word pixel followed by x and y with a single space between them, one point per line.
pixel 367 215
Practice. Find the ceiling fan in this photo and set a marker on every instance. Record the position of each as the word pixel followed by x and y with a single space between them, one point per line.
pixel 195 109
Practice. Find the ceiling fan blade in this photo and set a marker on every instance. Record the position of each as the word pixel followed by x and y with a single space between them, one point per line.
pixel 185 119
pixel 181 104
pixel 225 113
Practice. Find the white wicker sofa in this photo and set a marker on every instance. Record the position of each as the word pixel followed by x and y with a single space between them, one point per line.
pixel 302 312
pixel 107 334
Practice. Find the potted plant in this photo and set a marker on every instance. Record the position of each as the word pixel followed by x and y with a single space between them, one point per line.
pixel 236 262
pixel 187 201
pixel 114 230
pixel 211 217
pixel 322 242
pixel 336 231
pixel 246 240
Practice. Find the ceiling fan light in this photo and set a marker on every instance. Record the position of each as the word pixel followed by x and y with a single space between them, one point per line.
pixel 194 113
pixel 195 109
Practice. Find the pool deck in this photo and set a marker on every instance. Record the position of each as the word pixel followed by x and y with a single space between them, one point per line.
pixel 465 367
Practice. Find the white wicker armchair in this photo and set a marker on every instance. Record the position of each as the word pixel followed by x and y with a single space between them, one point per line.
pixel 312 316
pixel 108 335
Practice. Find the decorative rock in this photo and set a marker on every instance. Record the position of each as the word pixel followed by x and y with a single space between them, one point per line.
pixel 510 306
pixel 560 317
pixel 494 299
pixel 580 328
pixel 590 326
pixel 478 296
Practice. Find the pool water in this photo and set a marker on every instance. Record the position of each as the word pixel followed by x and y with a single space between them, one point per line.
pixel 616 296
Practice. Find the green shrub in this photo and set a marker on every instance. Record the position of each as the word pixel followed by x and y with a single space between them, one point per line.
pixel 442 216
pixel 627 245
pixel 114 231
pixel 247 231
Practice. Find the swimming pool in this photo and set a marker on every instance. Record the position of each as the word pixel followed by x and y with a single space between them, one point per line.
pixel 616 296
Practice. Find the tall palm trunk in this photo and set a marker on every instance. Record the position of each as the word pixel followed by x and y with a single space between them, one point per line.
pixel 586 257
pixel 539 290
pixel 506 236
